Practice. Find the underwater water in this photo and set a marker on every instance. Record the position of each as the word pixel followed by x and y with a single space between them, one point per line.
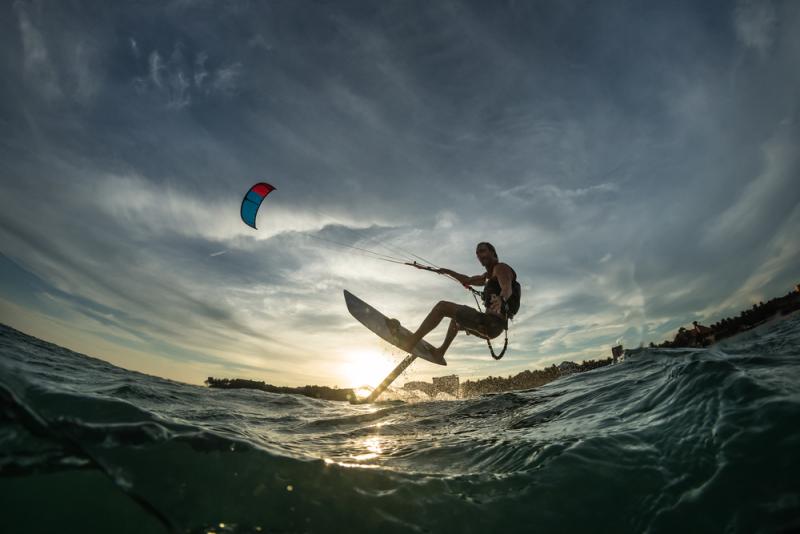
pixel 691 440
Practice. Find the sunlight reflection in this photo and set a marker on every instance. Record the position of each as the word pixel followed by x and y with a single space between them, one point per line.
pixel 374 447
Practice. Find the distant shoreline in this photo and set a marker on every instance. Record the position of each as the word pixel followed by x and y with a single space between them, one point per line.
pixel 764 312
pixel 315 392
pixel 697 337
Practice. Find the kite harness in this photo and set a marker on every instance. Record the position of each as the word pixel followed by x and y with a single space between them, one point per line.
pixel 510 306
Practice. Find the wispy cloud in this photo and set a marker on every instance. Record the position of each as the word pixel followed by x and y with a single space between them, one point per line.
pixel 185 75
pixel 38 65
pixel 755 23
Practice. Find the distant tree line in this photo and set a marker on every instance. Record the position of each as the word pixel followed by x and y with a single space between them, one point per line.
pixel 703 336
pixel 316 392
pixel 525 380
pixel 492 384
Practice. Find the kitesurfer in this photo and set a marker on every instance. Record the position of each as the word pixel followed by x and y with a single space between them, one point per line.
pixel 501 299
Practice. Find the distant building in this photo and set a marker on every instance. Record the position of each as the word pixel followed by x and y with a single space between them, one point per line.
pixel 567 368
pixel 446 384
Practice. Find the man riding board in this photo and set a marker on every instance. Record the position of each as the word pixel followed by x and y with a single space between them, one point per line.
pixel 501 300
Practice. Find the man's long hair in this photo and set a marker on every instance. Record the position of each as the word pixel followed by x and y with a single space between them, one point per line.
pixel 487 245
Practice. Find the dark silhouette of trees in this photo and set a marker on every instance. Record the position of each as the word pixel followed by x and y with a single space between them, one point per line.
pixel 316 392
pixel 703 336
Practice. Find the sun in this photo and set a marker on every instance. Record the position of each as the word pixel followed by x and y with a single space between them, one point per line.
pixel 365 368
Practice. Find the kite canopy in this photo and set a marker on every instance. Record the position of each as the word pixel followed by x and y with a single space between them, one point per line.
pixel 252 201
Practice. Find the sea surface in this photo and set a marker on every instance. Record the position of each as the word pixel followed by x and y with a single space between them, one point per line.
pixel 666 441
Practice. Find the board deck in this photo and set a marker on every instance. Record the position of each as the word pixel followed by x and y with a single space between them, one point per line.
pixel 376 321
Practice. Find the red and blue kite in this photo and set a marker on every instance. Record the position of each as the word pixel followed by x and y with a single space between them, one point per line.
pixel 252 201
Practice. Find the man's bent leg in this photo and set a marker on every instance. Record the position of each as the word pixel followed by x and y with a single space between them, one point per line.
pixel 440 311
pixel 452 330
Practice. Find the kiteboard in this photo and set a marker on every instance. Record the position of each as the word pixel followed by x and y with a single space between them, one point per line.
pixel 378 323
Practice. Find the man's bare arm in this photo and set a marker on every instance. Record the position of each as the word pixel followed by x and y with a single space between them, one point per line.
pixel 505 277
pixel 477 280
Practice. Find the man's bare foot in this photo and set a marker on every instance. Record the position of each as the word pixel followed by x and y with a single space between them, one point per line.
pixel 394 330
pixel 394 326
pixel 401 338
pixel 437 352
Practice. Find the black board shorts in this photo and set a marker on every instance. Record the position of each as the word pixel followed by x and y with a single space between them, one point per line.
pixel 483 324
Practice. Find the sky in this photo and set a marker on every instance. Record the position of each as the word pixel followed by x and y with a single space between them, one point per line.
pixel 636 163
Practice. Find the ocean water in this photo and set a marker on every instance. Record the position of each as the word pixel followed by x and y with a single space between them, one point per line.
pixel 666 441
